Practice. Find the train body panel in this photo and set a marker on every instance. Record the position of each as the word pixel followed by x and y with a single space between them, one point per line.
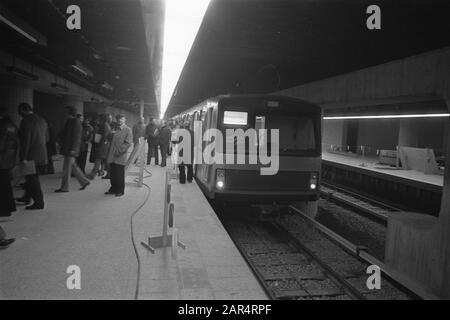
pixel 298 125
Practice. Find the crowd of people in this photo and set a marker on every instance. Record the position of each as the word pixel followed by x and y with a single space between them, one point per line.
pixel 29 148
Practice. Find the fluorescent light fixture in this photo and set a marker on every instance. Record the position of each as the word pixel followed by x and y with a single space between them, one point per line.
pixel 22 73
pixel 81 68
pixel 20 26
pixel 392 116
pixel 107 86
pixel 181 24
pixel 19 30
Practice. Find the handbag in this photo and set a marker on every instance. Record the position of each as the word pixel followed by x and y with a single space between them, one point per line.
pixel 97 138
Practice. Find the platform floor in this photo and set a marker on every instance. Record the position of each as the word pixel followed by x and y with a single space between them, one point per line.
pixel 371 165
pixel 92 230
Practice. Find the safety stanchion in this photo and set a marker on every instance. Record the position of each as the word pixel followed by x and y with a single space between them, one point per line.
pixel 166 240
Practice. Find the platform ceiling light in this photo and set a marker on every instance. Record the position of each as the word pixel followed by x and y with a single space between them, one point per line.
pixel 181 24
pixel 107 86
pixel 391 116
pixel 21 27
pixel 81 68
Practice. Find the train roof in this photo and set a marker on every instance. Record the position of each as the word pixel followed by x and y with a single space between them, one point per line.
pixel 217 98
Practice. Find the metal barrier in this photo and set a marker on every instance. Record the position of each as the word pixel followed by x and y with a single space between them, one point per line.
pixel 166 240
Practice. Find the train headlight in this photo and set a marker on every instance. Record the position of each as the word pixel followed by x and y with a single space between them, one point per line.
pixel 220 179
pixel 313 181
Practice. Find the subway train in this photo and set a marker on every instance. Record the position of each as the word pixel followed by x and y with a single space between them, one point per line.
pixel 297 177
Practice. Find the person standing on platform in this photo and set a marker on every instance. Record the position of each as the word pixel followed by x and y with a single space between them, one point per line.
pixel 138 132
pixel 163 141
pixel 87 133
pixel 9 144
pixel 152 131
pixel 51 149
pixel 33 134
pixel 70 149
pixel 189 166
pixel 102 142
pixel 117 156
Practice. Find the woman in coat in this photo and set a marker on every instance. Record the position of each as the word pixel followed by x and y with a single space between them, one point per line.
pixel 102 146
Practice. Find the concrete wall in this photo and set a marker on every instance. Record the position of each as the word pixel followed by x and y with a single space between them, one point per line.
pixel 332 133
pixel 417 76
pixel 423 133
pixel 378 133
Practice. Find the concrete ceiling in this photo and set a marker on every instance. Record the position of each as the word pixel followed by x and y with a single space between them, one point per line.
pixel 243 45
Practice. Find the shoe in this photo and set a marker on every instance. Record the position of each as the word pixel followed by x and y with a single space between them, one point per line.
pixel 84 187
pixel 23 200
pixel 109 192
pixel 60 190
pixel 35 207
pixel 119 194
pixel 5 243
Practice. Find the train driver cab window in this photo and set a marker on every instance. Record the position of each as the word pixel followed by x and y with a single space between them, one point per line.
pixel 296 132
pixel 235 118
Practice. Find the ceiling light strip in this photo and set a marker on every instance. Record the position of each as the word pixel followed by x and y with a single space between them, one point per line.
pixel 392 116
pixel 18 29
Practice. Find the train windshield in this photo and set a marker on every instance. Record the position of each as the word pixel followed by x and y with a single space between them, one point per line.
pixel 296 132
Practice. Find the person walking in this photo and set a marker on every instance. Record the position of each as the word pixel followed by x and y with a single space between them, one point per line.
pixel 5 242
pixel 163 142
pixel 87 133
pixel 33 135
pixel 102 142
pixel 117 156
pixel 151 132
pixel 70 149
pixel 9 144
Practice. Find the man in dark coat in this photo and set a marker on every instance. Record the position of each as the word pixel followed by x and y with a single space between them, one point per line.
pixel 151 132
pixel 163 141
pixel 87 133
pixel 9 144
pixel 121 141
pixel 33 135
pixel 188 165
pixel 70 148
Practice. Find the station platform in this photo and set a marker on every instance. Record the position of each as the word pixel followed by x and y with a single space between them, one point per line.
pixel 412 189
pixel 92 230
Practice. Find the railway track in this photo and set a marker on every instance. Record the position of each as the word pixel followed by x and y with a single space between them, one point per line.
pixel 286 270
pixel 369 207
pixel 293 261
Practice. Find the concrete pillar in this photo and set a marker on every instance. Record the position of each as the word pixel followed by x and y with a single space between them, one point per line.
pixel 74 101
pixel 11 97
pixel 444 218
